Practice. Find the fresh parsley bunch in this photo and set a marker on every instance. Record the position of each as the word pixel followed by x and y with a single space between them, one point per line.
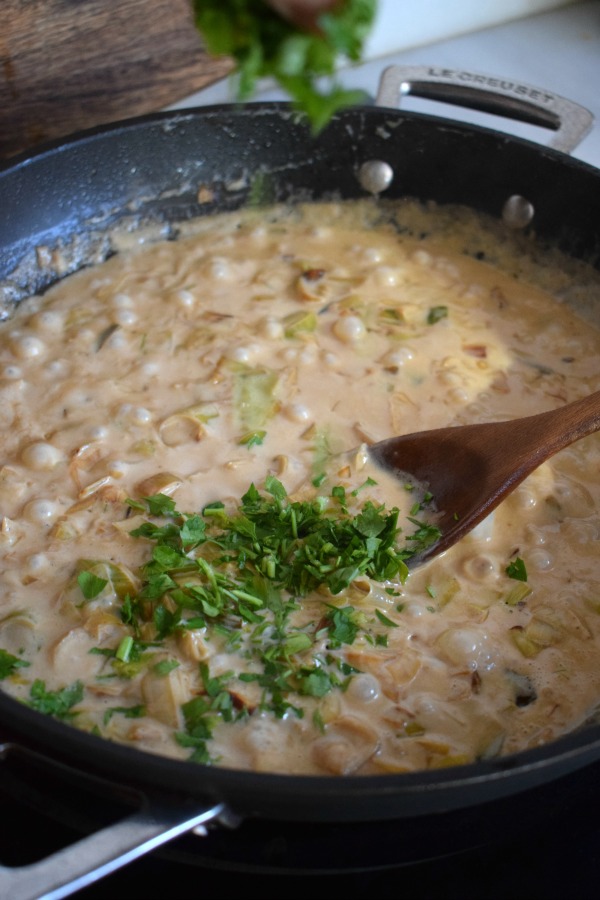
pixel 264 45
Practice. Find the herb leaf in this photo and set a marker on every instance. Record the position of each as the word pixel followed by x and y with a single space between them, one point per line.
pixel 91 585
pixel 9 664
pixel 239 576
pixel 55 703
pixel 265 45
pixel 517 570
pixel 436 314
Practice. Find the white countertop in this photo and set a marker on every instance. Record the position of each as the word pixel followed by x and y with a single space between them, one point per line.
pixel 558 50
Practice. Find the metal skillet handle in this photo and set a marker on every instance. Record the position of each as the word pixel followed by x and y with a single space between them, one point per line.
pixel 155 821
pixel 486 93
pixel 96 856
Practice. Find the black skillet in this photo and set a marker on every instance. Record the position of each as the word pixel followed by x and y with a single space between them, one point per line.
pixel 172 166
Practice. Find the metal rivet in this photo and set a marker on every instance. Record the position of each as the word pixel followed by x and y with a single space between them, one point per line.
pixel 375 176
pixel 517 212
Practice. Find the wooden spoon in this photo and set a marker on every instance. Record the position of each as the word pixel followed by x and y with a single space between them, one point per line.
pixel 470 469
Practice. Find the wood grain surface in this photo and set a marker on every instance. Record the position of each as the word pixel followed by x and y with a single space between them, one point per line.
pixel 73 64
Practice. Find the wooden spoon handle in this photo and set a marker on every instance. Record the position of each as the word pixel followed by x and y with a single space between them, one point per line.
pixel 541 436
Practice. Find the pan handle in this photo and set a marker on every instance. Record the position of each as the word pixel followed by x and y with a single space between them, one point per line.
pixel 157 820
pixel 93 857
pixel 486 93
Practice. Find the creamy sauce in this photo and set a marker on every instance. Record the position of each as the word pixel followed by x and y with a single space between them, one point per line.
pixel 284 343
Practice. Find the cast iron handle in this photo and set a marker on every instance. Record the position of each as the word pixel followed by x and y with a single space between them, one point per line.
pixel 156 821
pixel 486 93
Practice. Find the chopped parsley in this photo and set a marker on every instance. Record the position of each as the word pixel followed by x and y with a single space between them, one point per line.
pixel 385 620
pixel 517 570
pixel 130 712
pixel 240 574
pixel 91 585
pixel 57 703
pixel 265 45
pixel 9 664
pixel 202 713
pixel 436 314
pixel 252 438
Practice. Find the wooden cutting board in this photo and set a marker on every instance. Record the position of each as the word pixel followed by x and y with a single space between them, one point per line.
pixel 72 64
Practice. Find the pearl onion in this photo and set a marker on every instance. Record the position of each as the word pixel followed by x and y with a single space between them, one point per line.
pixel 525 498
pixel 150 368
pixel 373 255
pixel 536 535
pixel 126 317
pixel 450 378
pixel 478 567
pixel 464 646
pixel 118 340
pixel 422 257
pixel 48 320
pixel 28 347
pixel 331 360
pixel 308 355
pixel 138 415
pixel 185 298
pixel 364 687
pixel 36 565
pixel 244 354
pixel 40 511
pixel 41 456
pixel 458 395
pixel 117 468
pixel 386 277
pixel 220 268
pixel 122 301
pixel 540 559
pixel 99 433
pixel 56 367
pixel 297 412
pixel 398 357
pixel 271 328
pixel 349 329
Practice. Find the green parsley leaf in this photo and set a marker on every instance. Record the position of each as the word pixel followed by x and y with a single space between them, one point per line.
pixel 130 712
pixel 384 619
pixel 265 45
pixel 371 522
pixel 369 482
pixel 252 439
pixel 315 682
pixel 91 585
pixel 339 492
pixel 160 505
pixel 517 570
pixel 436 314
pixel 193 532
pixel 55 703
pixel 275 488
pixel 165 666
pixel 342 626
pixel 9 664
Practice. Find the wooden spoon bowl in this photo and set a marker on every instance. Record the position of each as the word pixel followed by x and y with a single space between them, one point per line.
pixel 470 469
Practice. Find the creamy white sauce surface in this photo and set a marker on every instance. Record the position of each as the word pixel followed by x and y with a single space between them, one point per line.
pixel 283 343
